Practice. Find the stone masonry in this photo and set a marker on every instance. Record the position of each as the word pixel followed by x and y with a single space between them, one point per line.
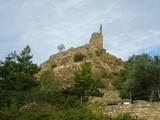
pixel 141 109
pixel 97 38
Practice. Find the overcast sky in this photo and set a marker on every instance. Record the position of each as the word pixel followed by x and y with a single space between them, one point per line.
pixel 129 26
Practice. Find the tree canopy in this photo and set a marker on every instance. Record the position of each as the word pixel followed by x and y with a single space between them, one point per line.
pixel 61 47
pixel 85 85
pixel 17 71
pixel 141 77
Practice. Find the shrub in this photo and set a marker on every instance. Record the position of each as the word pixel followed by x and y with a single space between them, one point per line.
pixel 78 57
pixel 68 101
pixel 49 113
pixel 53 65
pixel 70 114
pixel 8 114
pixel 125 117
pixel 2 116
pixel 98 52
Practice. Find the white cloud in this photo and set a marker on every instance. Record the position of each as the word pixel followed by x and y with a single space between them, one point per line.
pixel 155 32
pixel 125 45
pixel 45 24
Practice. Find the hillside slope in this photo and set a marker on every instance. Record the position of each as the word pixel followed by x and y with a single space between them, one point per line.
pixel 104 66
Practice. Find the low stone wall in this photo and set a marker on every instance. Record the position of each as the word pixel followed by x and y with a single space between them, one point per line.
pixel 141 109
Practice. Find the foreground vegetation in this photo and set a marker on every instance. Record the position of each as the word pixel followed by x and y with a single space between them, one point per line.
pixel 23 97
pixel 49 113
pixel 141 78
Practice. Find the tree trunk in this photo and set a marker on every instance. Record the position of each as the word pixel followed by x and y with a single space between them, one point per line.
pixel 81 99
pixel 152 95
pixel 158 93
pixel 130 94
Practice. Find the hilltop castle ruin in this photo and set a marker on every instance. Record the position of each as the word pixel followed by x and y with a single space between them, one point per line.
pixel 97 38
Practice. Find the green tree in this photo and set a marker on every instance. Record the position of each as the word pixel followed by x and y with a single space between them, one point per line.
pixel 47 91
pixel 17 76
pixel 17 71
pixel 61 47
pixel 85 85
pixel 141 77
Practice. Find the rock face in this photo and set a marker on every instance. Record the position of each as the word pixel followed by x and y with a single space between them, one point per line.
pixel 63 65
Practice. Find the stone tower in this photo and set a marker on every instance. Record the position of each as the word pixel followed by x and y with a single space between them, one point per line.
pixel 100 30
pixel 97 38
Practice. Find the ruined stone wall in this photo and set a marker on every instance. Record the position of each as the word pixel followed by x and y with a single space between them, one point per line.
pixel 97 40
pixel 141 109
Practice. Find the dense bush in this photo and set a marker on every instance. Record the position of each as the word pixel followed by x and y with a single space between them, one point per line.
pixel 17 71
pixel 49 92
pixel 85 85
pixel 8 114
pixel 2 115
pixel 48 113
pixel 125 117
pixel 22 97
pixel 141 78
pixel 78 57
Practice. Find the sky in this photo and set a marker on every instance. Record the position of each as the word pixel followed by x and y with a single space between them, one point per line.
pixel 129 26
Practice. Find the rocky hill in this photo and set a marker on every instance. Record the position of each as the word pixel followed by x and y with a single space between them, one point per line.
pixel 104 66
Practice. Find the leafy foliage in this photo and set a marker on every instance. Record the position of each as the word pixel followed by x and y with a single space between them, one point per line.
pixel 78 57
pixel 49 113
pixel 49 92
pixel 17 71
pixel 17 76
pixel 24 98
pixel 141 77
pixel 61 47
pixel 85 85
